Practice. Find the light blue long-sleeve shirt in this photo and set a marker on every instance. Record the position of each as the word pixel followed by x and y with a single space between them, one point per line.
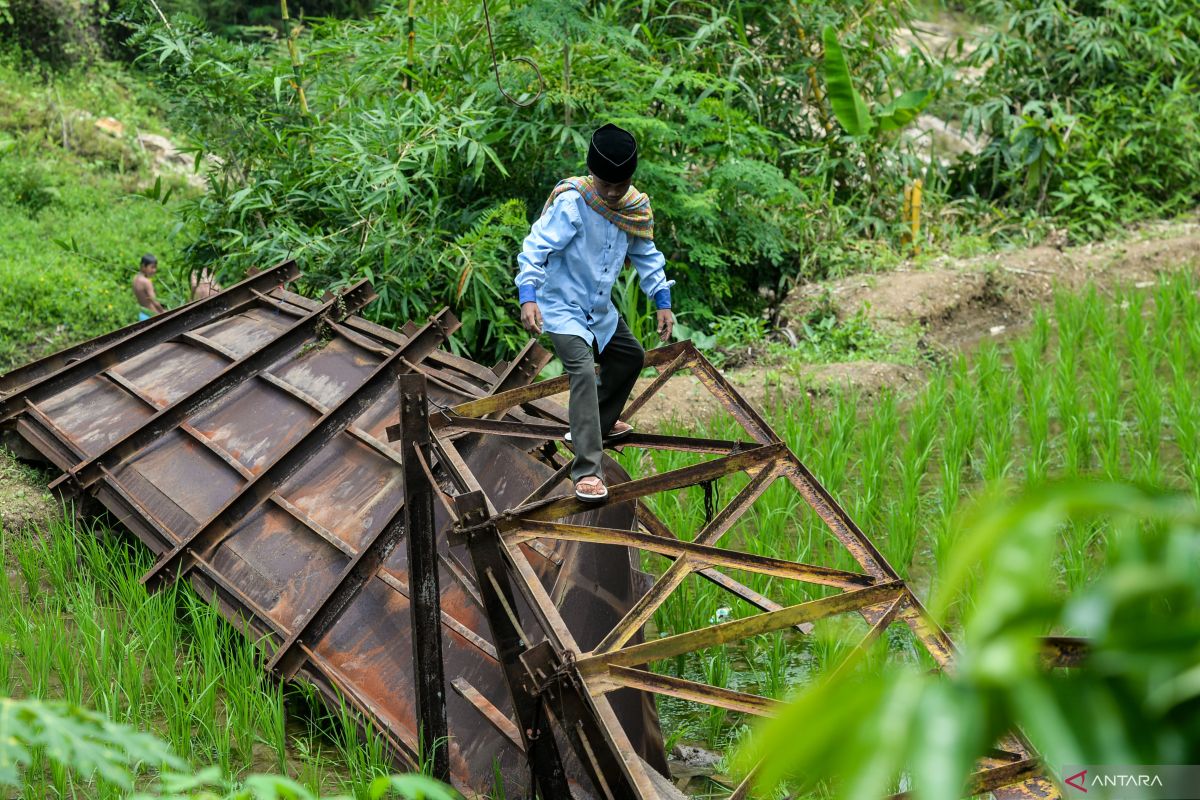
pixel 569 262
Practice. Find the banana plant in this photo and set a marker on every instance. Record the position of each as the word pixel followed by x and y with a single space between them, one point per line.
pixel 850 108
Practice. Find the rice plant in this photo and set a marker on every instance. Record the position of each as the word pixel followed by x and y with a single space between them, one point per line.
pixel 1077 396
pixel 1143 359
pixel 1109 398
pixel 76 624
pixel 1068 391
pixel 717 671
pixel 997 396
pixel 903 526
pixel 1185 408
pixel 957 446
pixel 1035 391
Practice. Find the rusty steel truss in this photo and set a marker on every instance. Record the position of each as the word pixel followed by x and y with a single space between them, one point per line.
pixel 275 451
pixel 573 679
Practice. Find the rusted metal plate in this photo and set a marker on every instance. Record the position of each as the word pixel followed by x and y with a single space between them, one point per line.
pixel 290 549
pixel 246 441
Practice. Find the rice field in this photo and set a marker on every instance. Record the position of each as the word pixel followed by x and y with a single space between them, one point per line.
pixel 1100 386
pixel 77 625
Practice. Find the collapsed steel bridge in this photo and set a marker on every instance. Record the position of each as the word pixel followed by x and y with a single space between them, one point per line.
pixel 274 451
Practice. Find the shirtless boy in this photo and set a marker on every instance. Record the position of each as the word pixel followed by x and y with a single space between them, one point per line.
pixel 143 288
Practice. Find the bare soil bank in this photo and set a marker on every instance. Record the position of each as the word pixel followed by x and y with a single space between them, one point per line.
pixel 945 308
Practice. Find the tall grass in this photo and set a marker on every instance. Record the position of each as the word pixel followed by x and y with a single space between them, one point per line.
pixel 1097 387
pixel 76 624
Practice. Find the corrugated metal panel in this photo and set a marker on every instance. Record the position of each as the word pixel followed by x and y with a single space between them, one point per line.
pixel 279 502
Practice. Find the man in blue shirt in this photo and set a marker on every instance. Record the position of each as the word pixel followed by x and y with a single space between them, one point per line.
pixel 589 229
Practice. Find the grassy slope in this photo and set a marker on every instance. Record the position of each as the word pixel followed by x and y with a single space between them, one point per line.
pixel 72 221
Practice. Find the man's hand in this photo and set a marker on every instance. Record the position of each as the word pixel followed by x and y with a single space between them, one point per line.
pixel 531 318
pixel 666 322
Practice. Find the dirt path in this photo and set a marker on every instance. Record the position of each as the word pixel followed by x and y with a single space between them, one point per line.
pixel 946 307
pixel 24 500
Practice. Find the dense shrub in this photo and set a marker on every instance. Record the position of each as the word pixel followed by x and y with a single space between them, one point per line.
pixel 256 19
pixel 413 168
pixel 67 33
pixel 27 185
pixel 1091 108
pixel 58 33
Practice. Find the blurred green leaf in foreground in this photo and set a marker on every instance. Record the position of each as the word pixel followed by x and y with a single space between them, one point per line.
pixel 871 729
pixel 36 733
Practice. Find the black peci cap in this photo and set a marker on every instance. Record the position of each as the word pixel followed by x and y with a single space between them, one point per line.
pixel 612 155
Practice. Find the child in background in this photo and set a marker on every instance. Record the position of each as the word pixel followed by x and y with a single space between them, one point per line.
pixel 143 288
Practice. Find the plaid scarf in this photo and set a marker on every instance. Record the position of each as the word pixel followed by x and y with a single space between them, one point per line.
pixel 634 216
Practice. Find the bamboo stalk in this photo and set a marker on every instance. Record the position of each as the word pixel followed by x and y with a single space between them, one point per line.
pixel 819 99
pixel 412 44
pixel 294 53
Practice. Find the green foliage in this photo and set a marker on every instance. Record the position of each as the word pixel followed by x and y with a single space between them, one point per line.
pixel 1092 104
pixel 1137 689
pixel 88 744
pixel 848 105
pixel 42 115
pixel 1038 143
pixel 850 108
pixel 903 110
pixel 826 338
pixel 57 33
pixel 259 18
pixel 483 256
pixel 420 188
pixel 739 330
pixel 28 185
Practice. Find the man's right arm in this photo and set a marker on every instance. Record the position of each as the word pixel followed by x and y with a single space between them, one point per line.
pixel 551 233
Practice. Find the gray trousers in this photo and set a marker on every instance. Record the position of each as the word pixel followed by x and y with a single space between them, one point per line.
pixel 596 402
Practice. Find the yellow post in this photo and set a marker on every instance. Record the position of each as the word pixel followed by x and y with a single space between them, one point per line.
pixel 912 215
pixel 412 43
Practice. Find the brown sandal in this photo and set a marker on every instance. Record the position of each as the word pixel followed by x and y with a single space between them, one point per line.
pixel 619 431
pixel 590 489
